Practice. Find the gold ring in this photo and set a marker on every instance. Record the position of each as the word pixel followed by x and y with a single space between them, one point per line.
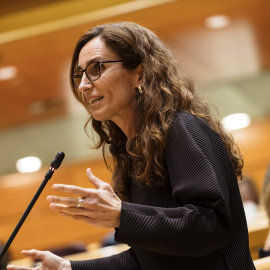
pixel 80 202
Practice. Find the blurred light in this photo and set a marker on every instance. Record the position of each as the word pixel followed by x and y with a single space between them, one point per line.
pixel 236 121
pixel 28 164
pixel 217 21
pixel 8 73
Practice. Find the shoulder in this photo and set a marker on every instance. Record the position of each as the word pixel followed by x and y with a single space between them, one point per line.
pixel 186 128
pixel 192 138
pixel 186 122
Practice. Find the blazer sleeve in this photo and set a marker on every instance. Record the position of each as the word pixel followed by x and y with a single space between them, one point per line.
pixel 200 174
pixel 122 261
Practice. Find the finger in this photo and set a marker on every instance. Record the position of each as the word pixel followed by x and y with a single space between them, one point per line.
pixel 15 267
pixel 72 211
pixel 28 253
pixel 71 189
pixel 33 253
pixel 94 180
pixel 68 201
pixel 58 207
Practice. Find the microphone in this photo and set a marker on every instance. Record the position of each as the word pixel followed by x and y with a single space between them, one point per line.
pixel 54 165
pixel 57 160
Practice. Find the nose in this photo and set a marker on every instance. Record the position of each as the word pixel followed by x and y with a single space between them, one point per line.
pixel 85 84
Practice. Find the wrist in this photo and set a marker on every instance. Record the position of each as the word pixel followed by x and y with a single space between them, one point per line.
pixel 66 265
pixel 117 223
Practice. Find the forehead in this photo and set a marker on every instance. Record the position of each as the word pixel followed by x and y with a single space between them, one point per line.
pixel 95 49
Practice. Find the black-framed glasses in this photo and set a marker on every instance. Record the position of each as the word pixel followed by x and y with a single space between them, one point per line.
pixel 92 71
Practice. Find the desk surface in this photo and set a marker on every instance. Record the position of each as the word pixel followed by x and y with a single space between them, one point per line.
pixel 259 221
pixel 262 264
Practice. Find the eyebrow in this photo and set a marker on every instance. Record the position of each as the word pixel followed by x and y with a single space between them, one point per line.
pixel 89 62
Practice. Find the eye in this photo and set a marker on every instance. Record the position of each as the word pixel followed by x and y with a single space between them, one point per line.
pixel 93 69
pixel 101 67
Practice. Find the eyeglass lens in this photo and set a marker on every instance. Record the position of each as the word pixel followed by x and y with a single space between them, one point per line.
pixel 92 71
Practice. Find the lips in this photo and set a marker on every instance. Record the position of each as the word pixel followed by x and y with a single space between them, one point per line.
pixel 95 100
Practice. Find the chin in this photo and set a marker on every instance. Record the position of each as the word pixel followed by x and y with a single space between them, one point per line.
pixel 99 117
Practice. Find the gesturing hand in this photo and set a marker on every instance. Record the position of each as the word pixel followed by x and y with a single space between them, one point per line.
pixel 101 207
pixel 49 261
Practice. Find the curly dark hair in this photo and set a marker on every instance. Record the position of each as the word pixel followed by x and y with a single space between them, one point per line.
pixel 166 90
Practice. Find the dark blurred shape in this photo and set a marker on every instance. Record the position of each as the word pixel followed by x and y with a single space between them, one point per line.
pixel 73 248
pixel 265 195
pixel 108 240
pixel 5 259
pixel 248 190
pixel 250 198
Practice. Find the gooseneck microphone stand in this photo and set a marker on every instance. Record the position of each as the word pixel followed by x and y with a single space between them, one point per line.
pixel 54 165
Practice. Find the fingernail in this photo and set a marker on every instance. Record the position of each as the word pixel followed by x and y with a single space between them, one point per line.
pixel 55 186
pixel 52 206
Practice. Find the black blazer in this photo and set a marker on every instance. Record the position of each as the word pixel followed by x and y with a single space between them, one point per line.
pixel 196 221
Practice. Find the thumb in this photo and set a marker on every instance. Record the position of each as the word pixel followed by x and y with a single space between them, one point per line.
pixel 36 254
pixel 93 179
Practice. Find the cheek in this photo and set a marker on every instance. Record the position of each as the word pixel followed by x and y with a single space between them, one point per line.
pixel 127 91
pixel 118 85
pixel 109 82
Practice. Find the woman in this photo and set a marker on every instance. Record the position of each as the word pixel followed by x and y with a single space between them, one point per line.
pixel 175 199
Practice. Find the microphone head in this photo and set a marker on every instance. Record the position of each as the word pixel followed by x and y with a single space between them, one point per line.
pixel 57 160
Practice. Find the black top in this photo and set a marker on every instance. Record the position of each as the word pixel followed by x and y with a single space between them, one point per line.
pixel 195 222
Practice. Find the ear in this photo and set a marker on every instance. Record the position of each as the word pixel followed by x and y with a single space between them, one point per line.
pixel 139 71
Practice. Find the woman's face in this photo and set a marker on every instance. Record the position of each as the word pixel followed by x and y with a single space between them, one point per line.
pixel 112 96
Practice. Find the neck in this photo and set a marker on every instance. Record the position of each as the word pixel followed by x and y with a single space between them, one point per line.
pixel 125 126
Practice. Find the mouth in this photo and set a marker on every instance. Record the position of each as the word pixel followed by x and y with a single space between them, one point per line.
pixel 95 100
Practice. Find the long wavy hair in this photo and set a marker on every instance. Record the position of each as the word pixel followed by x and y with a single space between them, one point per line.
pixel 166 90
